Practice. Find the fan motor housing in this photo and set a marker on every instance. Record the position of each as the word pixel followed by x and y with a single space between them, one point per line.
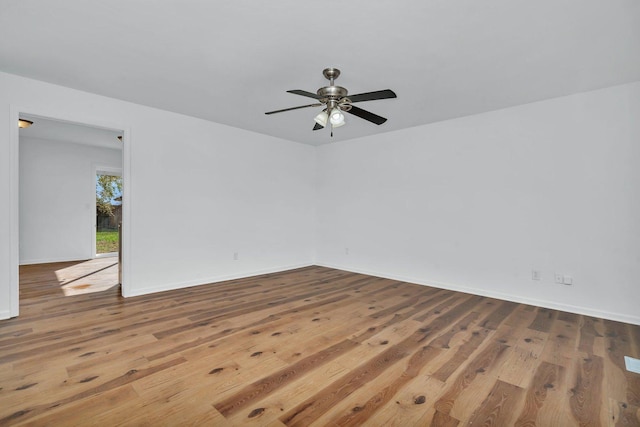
pixel 332 92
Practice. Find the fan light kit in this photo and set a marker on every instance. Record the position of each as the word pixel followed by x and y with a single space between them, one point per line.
pixel 335 101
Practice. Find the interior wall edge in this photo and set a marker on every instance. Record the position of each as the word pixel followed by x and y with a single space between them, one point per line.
pixel 587 311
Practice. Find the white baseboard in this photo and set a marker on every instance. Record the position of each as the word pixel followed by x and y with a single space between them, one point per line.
pixel 50 260
pixel 210 280
pixel 107 255
pixel 587 311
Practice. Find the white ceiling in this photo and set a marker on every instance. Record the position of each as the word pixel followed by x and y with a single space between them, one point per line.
pixel 229 62
pixel 70 132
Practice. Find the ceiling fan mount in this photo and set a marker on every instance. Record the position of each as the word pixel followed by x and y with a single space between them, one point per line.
pixel 334 100
pixel 331 73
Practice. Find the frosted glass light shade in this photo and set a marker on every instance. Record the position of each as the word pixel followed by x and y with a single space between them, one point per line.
pixel 337 118
pixel 321 118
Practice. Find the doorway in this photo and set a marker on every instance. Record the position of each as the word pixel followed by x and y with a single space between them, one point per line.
pixel 108 221
pixel 25 252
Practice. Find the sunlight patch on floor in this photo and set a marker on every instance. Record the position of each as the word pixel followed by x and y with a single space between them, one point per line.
pixel 86 277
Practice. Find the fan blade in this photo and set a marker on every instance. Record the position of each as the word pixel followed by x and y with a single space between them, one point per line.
pixel 364 114
pixel 293 108
pixel 371 96
pixel 318 126
pixel 304 93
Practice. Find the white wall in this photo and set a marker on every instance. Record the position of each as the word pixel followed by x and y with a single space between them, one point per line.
pixel 473 203
pixel 476 203
pixel 214 191
pixel 57 198
pixel 197 192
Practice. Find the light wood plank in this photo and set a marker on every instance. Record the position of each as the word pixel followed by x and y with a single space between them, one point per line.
pixel 311 346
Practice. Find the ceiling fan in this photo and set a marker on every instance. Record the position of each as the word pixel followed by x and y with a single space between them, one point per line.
pixel 335 101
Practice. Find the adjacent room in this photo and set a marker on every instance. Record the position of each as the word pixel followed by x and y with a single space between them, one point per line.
pixel 70 202
pixel 417 214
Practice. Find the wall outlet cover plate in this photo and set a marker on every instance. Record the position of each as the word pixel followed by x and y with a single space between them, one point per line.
pixel 632 365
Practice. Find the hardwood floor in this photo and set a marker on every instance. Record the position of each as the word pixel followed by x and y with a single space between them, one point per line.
pixel 313 346
pixel 69 278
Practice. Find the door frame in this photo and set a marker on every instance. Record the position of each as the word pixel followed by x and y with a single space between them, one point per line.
pixel 14 196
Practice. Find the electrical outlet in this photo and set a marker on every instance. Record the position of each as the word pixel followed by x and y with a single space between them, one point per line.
pixel 235 256
pixel 346 251
pixel 535 274
pixel 559 278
